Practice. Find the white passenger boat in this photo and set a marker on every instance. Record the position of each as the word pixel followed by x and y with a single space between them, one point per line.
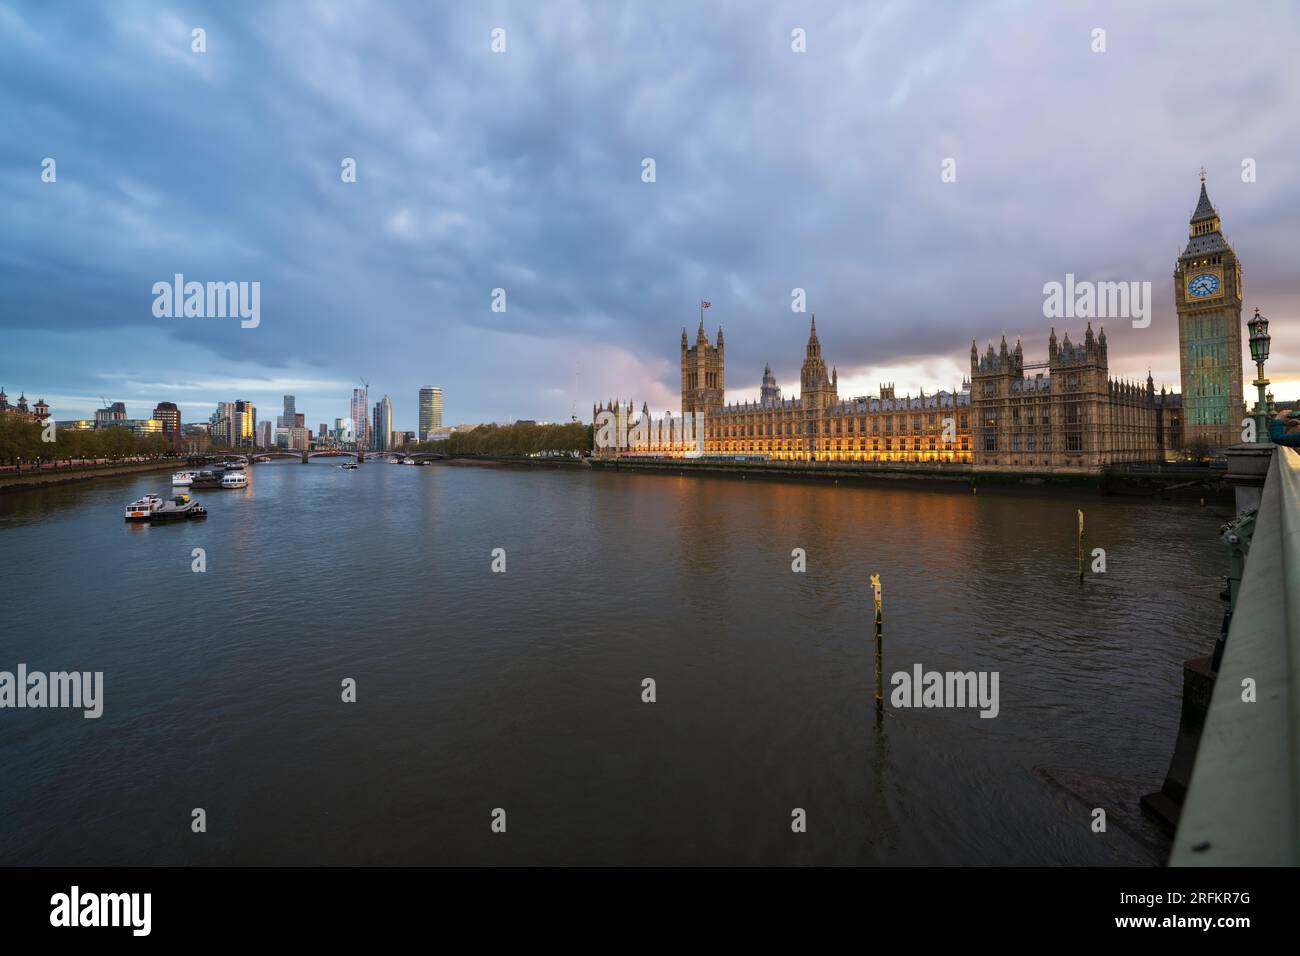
pixel 143 508
pixel 234 479
pixel 183 479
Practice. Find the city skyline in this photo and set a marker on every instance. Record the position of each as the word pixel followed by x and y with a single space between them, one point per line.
pixel 772 174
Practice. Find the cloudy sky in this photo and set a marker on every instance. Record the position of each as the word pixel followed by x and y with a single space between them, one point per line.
pixel 523 170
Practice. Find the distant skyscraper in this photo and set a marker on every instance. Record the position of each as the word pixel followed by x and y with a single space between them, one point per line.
pixel 245 424
pixel 220 423
pixel 383 425
pixel 286 419
pixel 264 434
pixel 170 416
pixel 360 416
pixel 430 411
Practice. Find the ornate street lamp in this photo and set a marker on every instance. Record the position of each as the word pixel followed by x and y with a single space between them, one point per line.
pixel 1259 342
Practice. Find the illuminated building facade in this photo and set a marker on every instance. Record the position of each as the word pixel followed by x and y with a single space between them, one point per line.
pixel 818 425
pixel 1063 415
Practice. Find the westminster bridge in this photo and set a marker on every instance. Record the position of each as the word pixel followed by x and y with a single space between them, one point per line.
pixel 1241 806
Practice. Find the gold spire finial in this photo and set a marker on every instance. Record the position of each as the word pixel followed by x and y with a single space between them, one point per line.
pixel 1202 174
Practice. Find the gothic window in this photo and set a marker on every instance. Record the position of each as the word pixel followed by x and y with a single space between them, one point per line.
pixel 990 442
pixel 1074 443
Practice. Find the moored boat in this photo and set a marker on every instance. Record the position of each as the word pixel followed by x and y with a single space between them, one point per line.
pixel 179 509
pixel 143 508
pixel 234 479
pixel 183 479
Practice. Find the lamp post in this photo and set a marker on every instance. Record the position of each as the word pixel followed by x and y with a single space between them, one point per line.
pixel 1259 342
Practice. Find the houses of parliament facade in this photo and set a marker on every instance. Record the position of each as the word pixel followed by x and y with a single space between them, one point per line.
pixel 1062 414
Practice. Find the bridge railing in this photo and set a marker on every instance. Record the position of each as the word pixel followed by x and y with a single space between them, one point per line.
pixel 1242 804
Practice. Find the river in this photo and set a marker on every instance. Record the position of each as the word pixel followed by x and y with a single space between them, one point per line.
pixel 522 690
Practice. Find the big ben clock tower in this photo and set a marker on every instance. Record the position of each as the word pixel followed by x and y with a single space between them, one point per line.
pixel 1207 295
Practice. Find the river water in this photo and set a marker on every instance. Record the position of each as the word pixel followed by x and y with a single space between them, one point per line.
pixel 522 690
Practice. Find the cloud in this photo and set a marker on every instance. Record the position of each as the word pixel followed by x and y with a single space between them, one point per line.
pixel 522 170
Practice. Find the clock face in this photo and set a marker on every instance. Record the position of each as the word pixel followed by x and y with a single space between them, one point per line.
pixel 1207 283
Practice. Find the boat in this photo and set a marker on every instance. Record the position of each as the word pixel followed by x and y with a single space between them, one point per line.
pixel 408 461
pixel 207 478
pixel 183 479
pixel 142 508
pixel 350 466
pixel 234 479
pixel 179 508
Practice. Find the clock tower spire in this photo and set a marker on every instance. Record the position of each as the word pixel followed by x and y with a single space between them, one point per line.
pixel 1208 298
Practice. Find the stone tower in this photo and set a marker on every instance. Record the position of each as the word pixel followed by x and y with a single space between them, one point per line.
pixel 815 387
pixel 817 391
pixel 1207 295
pixel 703 374
pixel 770 392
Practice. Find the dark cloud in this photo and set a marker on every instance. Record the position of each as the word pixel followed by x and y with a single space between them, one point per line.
pixel 775 170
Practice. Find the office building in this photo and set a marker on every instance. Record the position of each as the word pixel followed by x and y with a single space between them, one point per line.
pixel 170 416
pixel 430 411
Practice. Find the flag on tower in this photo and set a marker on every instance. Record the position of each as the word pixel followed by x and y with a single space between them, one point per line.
pixel 705 305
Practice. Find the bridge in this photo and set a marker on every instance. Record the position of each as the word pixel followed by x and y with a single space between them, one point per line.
pixel 1242 804
pixel 359 455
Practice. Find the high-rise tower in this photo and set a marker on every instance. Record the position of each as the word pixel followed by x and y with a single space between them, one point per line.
pixel 382 431
pixel 1207 295
pixel 360 417
pixel 430 411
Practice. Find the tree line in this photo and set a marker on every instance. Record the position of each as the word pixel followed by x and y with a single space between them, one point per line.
pixel 21 440
pixel 517 439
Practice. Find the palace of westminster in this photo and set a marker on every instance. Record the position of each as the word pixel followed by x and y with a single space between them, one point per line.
pixel 1062 415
